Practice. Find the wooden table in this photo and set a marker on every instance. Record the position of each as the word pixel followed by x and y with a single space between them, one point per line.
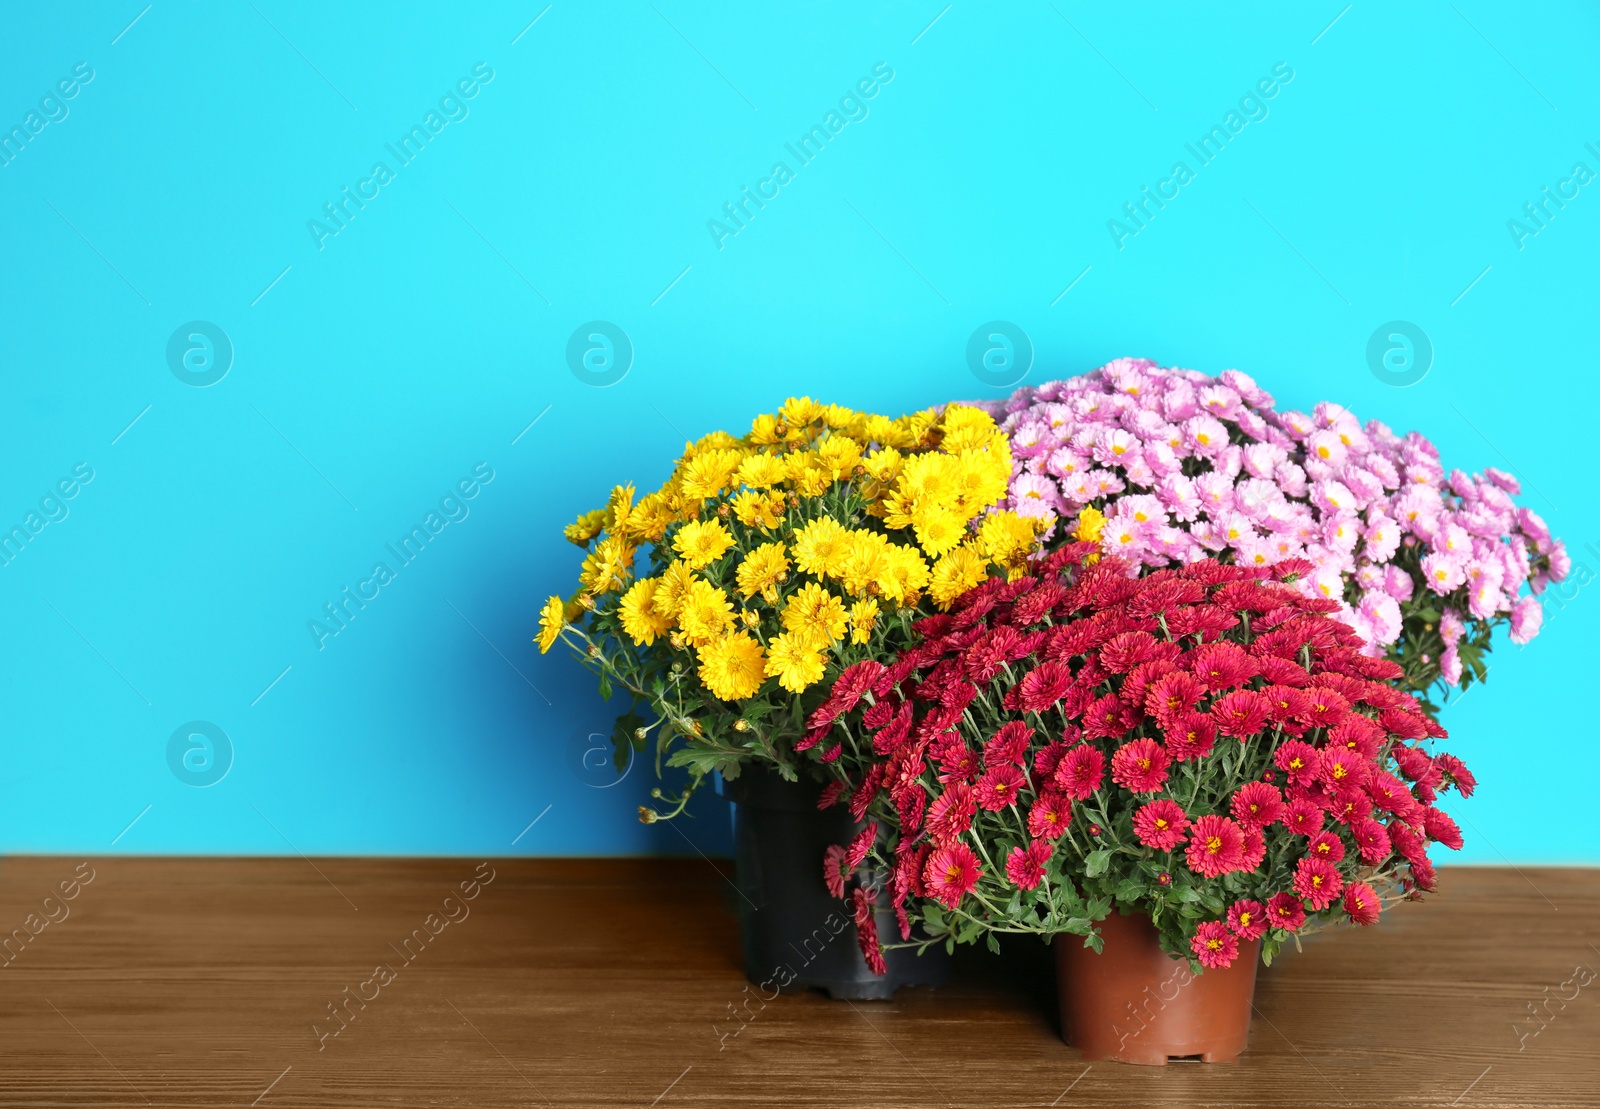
pixel 613 983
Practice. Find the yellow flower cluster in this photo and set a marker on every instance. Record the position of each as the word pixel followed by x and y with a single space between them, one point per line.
pixel 779 547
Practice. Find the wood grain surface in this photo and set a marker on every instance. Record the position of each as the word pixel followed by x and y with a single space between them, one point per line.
pixel 189 982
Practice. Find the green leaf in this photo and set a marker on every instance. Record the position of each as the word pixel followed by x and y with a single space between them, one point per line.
pixel 605 686
pixel 1096 862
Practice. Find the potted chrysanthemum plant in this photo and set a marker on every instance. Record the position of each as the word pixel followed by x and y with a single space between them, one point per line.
pixel 1186 769
pixel 1162 466
pixel 723 603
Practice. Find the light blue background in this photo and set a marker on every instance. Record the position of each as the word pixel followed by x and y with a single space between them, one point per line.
pixel 426 336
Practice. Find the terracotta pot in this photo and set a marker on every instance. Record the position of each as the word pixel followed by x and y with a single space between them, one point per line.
pixel 1134 1003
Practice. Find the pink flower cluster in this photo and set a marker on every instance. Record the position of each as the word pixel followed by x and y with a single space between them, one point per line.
pixel 1189 466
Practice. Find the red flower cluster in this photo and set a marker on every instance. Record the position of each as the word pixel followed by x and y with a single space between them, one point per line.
pixel 1141 739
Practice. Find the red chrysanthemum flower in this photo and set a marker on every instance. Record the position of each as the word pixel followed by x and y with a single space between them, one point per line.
pixel 1105 718
pixel 1286 911
pixel 1255 848
pixel 951 813
pixel 1256 804
pixel 1240 714
pixel 1248 919
pixel 1361 902
pixel 998 787
pixel 864 903
pixel 834 869
pixel 1340 767
pixel 957 762
pixel 1298 761
pixel 1009 745
pixel 1372 839
pixel 1172 695
pixel 1025 865
pixel 1284 705
pixel 1049 816
pixel 1221 666
pixel 1441 828
pixel 1140 766
pixel 1121 653
pixel 1317 881
pixel 830 794
pixel 1324 707
pixel 1189 735
pixel 1390 794
pixel 1080 772
pixel 1160 824
pixel 1326 845
pixel 1043 686
pixel 1407 843
pixel 856 854
pixel 1348 804
pixel 1282 671
pixel 951 874
pixel 1303 817
pixel 1216 846
pixel 1455 772
pixel 908 866
pixel 1360 735
pixel 871 782
pixel 1403 723
pixel 1214 945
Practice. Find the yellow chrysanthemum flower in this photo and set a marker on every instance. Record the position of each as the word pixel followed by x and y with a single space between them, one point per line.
pixel 908 574
pixel 814 611
pixel 608 566
pixel 820 546
pixel 701 542
pixel 1008 538
pixel 760 471
pixel 863 618
pixel 938 530
pixel 733 667
pixel 764 430
pixel 884 464
pixel 586 527
pixel 621 509
pixel 840 454
pixel 762 569
pixel 674 583
pixel 651 517
pixel 706 613
pixel 1091 521
pixel 795 660
pixel 878 429
pixel 800 411
pixel 552 618
pixel 640 618
pixel 866 564
pixel 759 510
pixel 710 473
pixel 956 573
pixel 808 473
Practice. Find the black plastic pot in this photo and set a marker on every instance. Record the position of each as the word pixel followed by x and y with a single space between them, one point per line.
pixel 794 933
